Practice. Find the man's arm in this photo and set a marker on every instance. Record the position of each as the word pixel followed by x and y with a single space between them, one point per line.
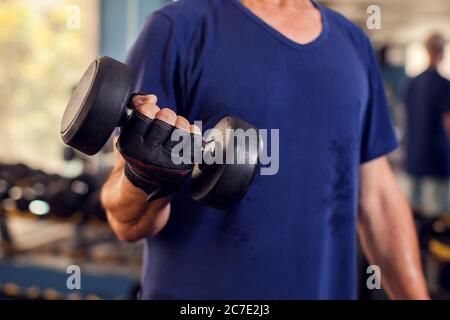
pixel 128 212
pixel 387 233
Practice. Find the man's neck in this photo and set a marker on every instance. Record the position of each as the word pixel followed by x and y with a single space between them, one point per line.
pixel 298 20
pixel 433 63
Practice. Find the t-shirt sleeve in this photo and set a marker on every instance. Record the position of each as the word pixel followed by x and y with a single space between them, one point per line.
pixel 378 134
pixel 154 60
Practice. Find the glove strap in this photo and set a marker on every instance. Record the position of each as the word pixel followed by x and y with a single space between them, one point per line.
pixel 152 188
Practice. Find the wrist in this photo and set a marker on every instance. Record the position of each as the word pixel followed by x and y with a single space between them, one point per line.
pixel 126 186
pixel 153 188
pixel 414 288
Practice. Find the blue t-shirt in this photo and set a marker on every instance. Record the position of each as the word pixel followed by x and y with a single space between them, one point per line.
pixel 427 146
pixel 293 235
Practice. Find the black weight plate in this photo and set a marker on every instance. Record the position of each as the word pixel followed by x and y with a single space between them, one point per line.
pixel 96 106
pixel 222 185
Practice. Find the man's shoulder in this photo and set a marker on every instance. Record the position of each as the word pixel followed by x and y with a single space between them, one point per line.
pixel 356 34
pixel 186 16
pixel 189 12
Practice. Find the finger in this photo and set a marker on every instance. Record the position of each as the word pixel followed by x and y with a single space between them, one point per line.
pixel 195 129
pixel 139 100
pixel 161 129
pixel 138 123
pixel 159 132
pixel 167 115
pixel 182 123
pixel 148 109
pixel 179 135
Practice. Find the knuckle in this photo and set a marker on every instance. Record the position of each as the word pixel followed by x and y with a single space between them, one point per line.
pixel 149 110
pixel 136 99
pixel 195 129
pixel 150 105
pixel 141 100
pixel 182 123
pixel 182 119
pixel 153 98
pixel 167 114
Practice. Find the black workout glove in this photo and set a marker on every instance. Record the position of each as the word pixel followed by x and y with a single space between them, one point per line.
pixel 146 146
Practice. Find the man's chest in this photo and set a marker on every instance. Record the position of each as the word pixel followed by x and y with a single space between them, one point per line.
pixel 283 87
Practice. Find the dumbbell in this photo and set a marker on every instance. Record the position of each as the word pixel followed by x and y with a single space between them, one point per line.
pixel 26 193
pixel 66 197
pixel 99 104
pixel 14 184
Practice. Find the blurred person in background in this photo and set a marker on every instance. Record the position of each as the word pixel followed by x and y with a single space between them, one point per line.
pixel 427 133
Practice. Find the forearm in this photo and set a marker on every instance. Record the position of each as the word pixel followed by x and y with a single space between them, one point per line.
pixel 393 247
pixel 389 240
pixel 128 212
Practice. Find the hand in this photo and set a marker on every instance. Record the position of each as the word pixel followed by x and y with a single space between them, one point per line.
pixel 146 146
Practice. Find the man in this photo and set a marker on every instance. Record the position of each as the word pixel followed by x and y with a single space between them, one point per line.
pixel 427 158
pixel 298 67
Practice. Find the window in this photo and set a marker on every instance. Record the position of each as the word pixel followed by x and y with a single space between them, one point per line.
pixel 44 48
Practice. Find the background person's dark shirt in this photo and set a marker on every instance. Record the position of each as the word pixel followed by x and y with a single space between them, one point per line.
pixel 427 146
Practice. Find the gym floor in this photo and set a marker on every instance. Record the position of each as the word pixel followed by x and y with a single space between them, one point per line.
pixel 51 218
